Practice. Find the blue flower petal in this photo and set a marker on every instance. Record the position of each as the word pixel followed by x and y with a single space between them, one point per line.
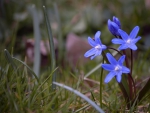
pixel 116 20
pixel 103 47
pixel 134 32
pixel 99 52
pixel 111 59
pixel 133 47
pixel 123 46
pixel 109 23
pixel 118 77
pixel 123 34
pixel 97 37
pixel 91 42
pixel 114 29
pixel 90 52
pixel 121 60
pixel 117 41
pixel 108 67
pixel 96 54
pixel 109 77
pixel 137 39
pixel 92 57
pixel 125 69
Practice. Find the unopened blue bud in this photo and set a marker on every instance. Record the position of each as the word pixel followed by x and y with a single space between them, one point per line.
pixel 114 26
pixel 116 20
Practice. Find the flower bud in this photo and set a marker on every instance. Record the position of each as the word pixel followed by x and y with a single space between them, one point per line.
pixel 116 20
pixel 114 26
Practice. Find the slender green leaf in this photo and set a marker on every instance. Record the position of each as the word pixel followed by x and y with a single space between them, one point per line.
pixel 9 59
pixel 30 70
pixel 52 49
pixel 81 95
pixel 144 90
pixel 59 32
pixel 37 38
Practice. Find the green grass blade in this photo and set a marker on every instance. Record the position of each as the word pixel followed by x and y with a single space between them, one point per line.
pixel 30 70
pixel 144 90
pixel 59 32
pixel 9 59
pixel 84 107
pixel 101 85
pixel 81 95
pixel 52 49
pixel 37 38
pixel 46 79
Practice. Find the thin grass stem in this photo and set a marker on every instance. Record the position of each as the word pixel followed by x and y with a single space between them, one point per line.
pixel 81 95
pixel 52 49
pixel 59 32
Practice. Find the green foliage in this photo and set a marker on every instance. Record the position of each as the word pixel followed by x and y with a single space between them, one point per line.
pixel 22 92
pixel 20 88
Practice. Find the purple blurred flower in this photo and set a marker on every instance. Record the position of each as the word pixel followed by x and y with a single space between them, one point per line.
pixel 127 41
pixel 98 47
pixel 115 67
pixel 114 25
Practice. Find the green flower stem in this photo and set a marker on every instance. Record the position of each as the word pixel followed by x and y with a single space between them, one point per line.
pixel 115 50
pixel 131 72
pixel 124 93
pixel 131 61
pixel 129 77
pixel 104 56
pixel 101 77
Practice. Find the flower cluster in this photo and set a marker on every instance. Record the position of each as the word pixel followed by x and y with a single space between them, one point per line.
pixel 115 67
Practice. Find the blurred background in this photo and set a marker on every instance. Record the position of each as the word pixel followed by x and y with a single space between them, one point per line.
pixel 72 21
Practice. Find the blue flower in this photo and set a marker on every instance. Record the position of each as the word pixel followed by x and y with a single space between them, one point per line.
pixel 114 25
pixel 98 47
pixel 127 41
pixel 115 67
